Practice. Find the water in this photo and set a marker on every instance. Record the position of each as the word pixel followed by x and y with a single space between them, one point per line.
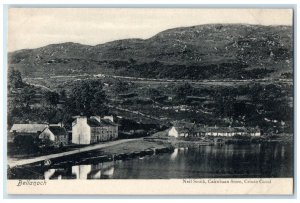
pixel 227 161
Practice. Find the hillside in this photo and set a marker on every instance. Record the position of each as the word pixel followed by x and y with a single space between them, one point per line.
pixel 230 51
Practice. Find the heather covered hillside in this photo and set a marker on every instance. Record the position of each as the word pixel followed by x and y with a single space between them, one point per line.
pixel 232 51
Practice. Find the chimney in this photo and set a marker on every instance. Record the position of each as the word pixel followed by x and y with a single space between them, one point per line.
pixel 98 118
pixel 81 119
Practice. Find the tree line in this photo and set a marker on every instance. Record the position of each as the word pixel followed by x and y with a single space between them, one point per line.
pixel 31 104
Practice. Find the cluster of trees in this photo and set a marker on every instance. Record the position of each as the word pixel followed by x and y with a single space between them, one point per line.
pixel 254 104
pixel 85 98
pixel 15 79
pixel 120 86
pixel 29 104
pixel 182 91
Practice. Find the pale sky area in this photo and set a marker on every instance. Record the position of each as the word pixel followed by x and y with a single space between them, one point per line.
pixel 32 28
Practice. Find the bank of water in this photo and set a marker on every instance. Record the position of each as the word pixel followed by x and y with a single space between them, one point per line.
pixel 225 161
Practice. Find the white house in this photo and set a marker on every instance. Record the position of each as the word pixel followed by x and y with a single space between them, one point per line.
pixel 178 132
pixel 81 131
pixel 94 129
pixel 173 132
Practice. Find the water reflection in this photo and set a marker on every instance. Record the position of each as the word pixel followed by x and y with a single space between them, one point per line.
pixel 256 160
pixel 174 154
pixel 81 171
pixel 48 174
pixel 282 151
pixel 59 173
pixel 108 172
pixel 92 171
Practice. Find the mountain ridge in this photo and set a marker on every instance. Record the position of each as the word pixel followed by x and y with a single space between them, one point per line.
pixel 195 48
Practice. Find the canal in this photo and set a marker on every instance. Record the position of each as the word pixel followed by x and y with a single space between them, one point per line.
pixel 265 160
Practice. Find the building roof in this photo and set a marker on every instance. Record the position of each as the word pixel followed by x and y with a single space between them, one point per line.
pixel 28 128
pixel 104 122
pixel 57 130
pixel 185 127
pixel 223 129
pixel 182 129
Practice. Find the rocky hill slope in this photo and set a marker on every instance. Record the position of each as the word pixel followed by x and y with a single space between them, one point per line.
pixel 215 51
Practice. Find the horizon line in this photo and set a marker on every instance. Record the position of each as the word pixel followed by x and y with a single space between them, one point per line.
pixel 73 42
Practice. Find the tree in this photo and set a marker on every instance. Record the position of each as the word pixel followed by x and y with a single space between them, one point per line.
pixel 63 95
pixel 27 94
pixel 225 100
pixel 98 103
pixel 52 98
pixel 15 79
pixel 183 90
pixel 67 119
pixel 121 86
pixel 88 98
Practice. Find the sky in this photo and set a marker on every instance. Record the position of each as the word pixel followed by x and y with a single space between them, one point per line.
pixel 37 27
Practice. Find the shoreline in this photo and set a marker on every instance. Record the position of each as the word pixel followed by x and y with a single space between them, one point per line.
pixel 130 148
pixel 112 150
pixel 135 149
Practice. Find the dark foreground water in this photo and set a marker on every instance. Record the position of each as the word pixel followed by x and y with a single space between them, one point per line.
pixel 227 161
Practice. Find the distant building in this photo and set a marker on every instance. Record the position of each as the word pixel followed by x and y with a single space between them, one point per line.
pixel 196 131
pixel 56 135
pixel 39 132
pixel 94 129
pixel 26 130
pixel 178 132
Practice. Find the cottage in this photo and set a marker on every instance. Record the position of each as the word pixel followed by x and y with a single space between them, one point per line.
pixel 55 136
pixel 94 129
pixel 173 132
pixel 26 131
pixel 182 130
pixel 232 131
pixel 178 132
pixel 203 131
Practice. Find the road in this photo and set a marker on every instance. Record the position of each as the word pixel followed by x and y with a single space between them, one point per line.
pixel 159 81
pixel 38 85
pixel 134 112
pixel 19 162
pixel 203 81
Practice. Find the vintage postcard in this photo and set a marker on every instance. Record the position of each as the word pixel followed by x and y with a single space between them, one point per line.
pixel 150 101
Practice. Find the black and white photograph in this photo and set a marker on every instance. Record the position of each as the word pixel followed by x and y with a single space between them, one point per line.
pixel 150 94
